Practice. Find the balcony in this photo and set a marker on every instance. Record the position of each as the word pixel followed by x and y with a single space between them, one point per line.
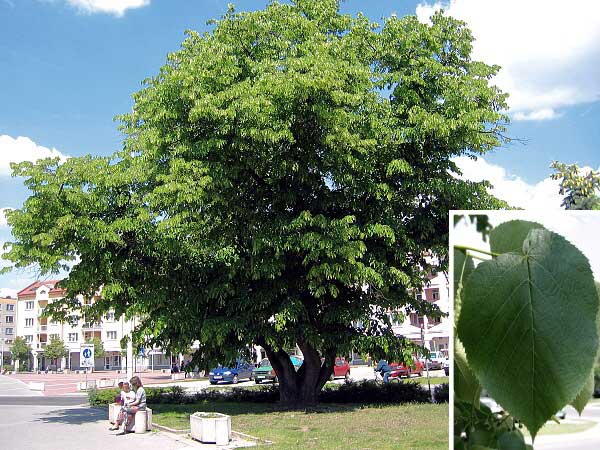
pixel 92 326
pixel 42 328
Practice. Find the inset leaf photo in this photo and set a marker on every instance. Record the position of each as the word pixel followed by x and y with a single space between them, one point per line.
pixel 526 326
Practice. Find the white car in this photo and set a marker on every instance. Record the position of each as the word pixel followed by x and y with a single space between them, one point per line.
pixel 491 403
pixel 436 360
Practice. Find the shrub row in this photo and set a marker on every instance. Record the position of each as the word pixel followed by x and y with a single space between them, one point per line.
pixel 365 391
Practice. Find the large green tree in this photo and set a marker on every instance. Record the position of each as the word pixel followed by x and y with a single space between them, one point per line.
pixel 283 181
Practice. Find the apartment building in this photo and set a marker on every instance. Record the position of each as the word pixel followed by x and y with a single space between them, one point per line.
pixel 8 327
pixel 432 333
pixel 38 331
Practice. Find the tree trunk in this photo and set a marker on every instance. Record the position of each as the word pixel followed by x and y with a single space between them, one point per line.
pixel 300 390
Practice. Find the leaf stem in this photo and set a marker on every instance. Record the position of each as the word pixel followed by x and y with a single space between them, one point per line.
pixel 485 252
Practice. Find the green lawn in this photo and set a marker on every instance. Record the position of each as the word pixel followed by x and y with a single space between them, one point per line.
pixel 409 426
pixel 432 380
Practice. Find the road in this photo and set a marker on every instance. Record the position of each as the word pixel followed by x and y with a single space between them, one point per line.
pixel 14 387
pixel 589 439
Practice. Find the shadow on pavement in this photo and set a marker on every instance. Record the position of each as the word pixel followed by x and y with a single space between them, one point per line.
pixel 73 416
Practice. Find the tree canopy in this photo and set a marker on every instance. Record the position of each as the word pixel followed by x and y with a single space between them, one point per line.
pixel 55 349
pixel 580 189
pixel 284 180
pixel 20 349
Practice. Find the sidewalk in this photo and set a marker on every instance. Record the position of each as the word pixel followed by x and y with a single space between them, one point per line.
pixel 80 427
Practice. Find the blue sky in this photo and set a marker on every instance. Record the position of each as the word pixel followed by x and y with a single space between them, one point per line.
pixel 70 66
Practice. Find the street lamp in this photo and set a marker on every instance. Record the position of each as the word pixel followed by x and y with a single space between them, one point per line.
pixel 2 357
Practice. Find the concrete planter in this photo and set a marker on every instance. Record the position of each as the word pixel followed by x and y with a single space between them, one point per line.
pixel 105 382
pixel 177 376
pixel 36 386
pixel 211 427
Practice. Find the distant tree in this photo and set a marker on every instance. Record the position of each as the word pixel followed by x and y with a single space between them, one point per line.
pixel 580 190
pixel 20 350
pixel 98 347
pixel 284 181
pixel 56 349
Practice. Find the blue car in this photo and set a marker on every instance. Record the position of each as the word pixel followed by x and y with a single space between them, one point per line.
pixel 231 374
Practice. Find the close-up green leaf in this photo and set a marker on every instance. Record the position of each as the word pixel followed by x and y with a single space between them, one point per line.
pixel 523 325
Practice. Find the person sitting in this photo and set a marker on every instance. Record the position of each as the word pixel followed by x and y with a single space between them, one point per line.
pixel 127 398
pixel 138 404
pixel 384 369
pixel 119 397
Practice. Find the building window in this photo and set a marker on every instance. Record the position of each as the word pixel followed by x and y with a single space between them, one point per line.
pixel 9 341
pixel 9 319
pixel 419 297
pixel 28 338
pixel 10 307
pixel 436 294
pixel 54 336
pixel 72 337
pixel 28 322
pixel 8 331
pixel 28 306
pixel 110 316
pixel 112 335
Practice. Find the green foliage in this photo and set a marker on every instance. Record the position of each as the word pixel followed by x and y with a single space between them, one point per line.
pixel 98 347
pixel 20 349
pixel 441 393
pixel 56 349
pixel 511 308
pixel 580 190
pixel 365 391
pixel 282 178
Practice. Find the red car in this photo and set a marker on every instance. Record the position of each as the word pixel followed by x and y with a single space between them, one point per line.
pixel 400 369
pixel 341 368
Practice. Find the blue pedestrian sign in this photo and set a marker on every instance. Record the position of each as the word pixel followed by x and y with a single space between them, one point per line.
pixel 86 355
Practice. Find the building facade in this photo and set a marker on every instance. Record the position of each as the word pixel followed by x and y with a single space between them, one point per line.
pixel 8 328
pixel 432 333
pixel 38 330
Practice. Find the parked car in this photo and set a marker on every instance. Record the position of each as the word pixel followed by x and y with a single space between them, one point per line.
pixel 231 374
pixel 341 368
pixel 436 360
pixel 265 372
pixel 447 367
pixel 401 370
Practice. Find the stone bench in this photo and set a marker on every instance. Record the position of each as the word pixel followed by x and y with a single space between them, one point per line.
pixel 141 423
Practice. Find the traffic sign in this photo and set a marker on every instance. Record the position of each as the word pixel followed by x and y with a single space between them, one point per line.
pixel 86 355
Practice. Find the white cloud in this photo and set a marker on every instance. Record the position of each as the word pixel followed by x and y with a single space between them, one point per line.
pixel 540 114
pixel 7 292
pixel 116 7
pixel 510 188
pixel 3 218
pixel 548 49
pixel 22 149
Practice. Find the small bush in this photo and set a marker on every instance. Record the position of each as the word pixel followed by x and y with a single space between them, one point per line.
pixel 441 393
pixel 370 391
